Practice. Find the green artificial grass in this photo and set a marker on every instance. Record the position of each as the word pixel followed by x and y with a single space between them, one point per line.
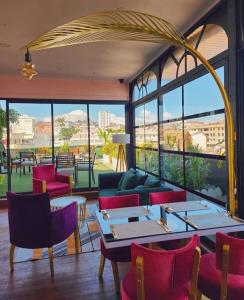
pixel 23 183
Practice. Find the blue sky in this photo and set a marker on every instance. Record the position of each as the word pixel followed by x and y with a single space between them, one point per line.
pixel 41 111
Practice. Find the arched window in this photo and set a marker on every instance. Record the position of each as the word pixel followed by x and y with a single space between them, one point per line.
pixel 209 40
pixel 144 85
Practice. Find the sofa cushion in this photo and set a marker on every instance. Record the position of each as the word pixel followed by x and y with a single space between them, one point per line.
pixel 107 192
pixel 129 181
pixel 140 178
pixel 152 182
pixel 121 181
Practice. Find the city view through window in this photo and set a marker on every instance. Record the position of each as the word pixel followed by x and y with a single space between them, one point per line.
pixel 85 132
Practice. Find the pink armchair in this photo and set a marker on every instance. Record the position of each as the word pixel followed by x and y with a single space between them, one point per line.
pixel 45 179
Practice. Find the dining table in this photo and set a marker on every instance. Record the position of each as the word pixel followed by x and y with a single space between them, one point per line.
pixel 179 220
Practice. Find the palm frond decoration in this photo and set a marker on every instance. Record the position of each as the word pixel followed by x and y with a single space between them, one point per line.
pixel 109 26
pixel 136 26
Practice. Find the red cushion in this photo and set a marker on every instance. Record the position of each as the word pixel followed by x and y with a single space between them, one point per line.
pixel 56 186
pixel 128 291
pixel 209 280
pixel 122 254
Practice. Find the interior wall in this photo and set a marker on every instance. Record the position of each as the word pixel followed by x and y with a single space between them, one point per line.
pixel 48 88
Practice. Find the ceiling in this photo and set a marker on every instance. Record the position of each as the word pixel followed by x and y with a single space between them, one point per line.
pixel 23 21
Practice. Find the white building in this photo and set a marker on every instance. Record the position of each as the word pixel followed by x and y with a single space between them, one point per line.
pixel 103 119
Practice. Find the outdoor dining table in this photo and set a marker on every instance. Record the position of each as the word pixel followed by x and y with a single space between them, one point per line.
pixel 147 224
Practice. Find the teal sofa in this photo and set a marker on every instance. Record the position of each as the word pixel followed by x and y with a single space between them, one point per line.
pixel 109 185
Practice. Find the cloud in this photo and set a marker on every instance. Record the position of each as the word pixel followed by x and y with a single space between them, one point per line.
pixel 167 115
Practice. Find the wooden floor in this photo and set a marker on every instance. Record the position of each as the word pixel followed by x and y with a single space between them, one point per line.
pixel 75 276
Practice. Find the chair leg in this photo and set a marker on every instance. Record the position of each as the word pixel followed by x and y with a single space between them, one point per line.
pixel 116 276
pixel 11 257
pixel 78 248
pixel 101 266
pixel 50 254
pixel 199 295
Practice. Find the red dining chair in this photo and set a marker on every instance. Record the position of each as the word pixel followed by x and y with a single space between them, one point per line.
pixel 45 179
pixel 221 274
pixel 159 274
pixel 168 197
pixel 122 254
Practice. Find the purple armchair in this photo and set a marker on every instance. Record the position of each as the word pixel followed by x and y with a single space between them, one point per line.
pixel 45 179
pixel 33 225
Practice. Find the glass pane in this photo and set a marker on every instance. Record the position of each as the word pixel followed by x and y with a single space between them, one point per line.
pixel 140 158
pixel 104 121
pixel 202 95
pixel 214 41
pixel 207 176
pixel 172 105
pixel 136 93
pixel 151 82
pixel 151 136
pixel 151 112
pixel 139 137
pixel 171 136
pixel 172 167
pixel 3 147
pixel 152 161
pixel 71 136
pixel 169 71
pixel 30 132
pixel 206 135
pixel 139 115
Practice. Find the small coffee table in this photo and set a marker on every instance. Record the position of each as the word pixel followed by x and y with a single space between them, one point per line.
pixel 66 200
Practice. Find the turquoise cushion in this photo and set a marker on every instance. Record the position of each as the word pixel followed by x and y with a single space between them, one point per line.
pixel 121 181
pixel 129 181
pixel 152 182
pixel 140 178
pixel 141 187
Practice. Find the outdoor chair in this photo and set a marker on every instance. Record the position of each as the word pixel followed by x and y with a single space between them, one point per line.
pixel 159 274
pixel 221 274
pixel 45 179
pixel 86 165
pixel 33 225
pixel 121 254
pixel 65 164
pixel 27 159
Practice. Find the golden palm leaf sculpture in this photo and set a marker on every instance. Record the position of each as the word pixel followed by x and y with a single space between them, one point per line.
pixel 135 26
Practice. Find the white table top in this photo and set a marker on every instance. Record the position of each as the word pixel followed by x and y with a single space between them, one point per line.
pixel 66 200
pixel 179 228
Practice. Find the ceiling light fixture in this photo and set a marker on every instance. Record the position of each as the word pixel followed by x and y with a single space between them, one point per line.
pixel 28 69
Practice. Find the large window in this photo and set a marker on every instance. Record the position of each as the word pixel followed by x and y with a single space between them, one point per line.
pixel 39 133
pixel 192 129
pixel 192 137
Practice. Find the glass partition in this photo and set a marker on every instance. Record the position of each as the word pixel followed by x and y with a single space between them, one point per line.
pixel 105 120
pixel 30 141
